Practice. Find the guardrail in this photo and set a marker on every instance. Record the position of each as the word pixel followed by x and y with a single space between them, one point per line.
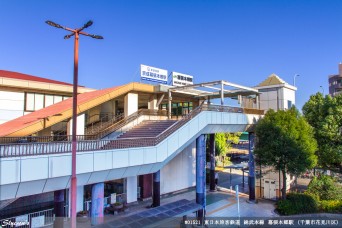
pixel 29 149
pixel 42 139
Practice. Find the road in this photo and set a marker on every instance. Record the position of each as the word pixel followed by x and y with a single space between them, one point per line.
pixel 235 178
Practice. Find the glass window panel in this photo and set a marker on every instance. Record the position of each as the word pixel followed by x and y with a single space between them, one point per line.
pixel 65 97
pixel 48 100
pixel 38 101
pixel 29 103
pixel 57 99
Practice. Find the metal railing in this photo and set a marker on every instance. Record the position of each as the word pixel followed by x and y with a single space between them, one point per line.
pixel 27 149
pixel 104 120
pixel 42 139
pixel 121 123
pixel 39 219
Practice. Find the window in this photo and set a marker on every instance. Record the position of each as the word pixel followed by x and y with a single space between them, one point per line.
pixel 48 100
pixel 36 101
pixel 57 99
pixel 289 104
pixel 29 102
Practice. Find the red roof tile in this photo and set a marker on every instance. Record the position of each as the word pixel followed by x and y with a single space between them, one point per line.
pixel 34 117
pixel 15 75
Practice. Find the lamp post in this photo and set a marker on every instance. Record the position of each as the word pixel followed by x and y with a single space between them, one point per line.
pixel 76 33
pixel 322 90
pixel 294 79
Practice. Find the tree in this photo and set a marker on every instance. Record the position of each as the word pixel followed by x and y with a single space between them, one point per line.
pixel 220 144
pixel 325 188
pixel 325 115
pixel 285 140
pixel 223 142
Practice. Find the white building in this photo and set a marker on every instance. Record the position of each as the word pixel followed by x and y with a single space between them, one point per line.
pixel 21 94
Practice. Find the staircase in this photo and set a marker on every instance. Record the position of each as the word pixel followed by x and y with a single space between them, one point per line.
pixel 147 128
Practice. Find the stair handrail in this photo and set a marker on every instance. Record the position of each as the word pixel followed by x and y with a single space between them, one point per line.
pixel 121 123
pixel 153 141
pixel 91 130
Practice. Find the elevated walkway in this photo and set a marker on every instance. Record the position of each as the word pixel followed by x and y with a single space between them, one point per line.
pixel 32 168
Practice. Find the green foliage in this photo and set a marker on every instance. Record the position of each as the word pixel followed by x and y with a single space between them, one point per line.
pixel 325 188
pixel 331 206
pixel 223 142
pixel 285 141
pixel 233 138
pixel 297 203
pixel 220 144
pixel 325 115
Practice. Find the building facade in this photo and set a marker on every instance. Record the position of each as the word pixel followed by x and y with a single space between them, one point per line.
pixel 21 94
pixel 335 82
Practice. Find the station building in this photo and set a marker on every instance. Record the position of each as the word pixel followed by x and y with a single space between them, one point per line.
pixel 134 141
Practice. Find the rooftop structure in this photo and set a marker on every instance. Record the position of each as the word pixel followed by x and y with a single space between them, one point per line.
pixel 335 82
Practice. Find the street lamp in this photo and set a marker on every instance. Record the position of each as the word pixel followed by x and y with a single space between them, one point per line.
pixel 294 79
pixel 322 89
pixel 76 33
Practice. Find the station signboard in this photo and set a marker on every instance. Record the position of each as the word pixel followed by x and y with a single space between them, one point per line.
pixel 153 74
pixel 179 79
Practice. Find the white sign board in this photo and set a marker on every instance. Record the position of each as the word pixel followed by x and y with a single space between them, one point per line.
pixel 179 79
pixel 112 198
pixel 153 74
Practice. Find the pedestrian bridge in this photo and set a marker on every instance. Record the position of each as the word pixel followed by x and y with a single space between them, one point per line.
pixel 33 168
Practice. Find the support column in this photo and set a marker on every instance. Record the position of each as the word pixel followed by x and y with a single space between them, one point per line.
pixel 80 125
pixel 132 189
pixel 169 104
pixel 152 103
pixel 97 195
pixel 80 198
pixel 212 162
pixel 222 93
pixel 131 104
pixel 200 175
pixel 59 202
pixel 251 164
pixel 156 189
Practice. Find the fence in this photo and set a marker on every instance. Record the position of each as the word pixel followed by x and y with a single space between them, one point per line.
pixel 31 220
pixel 29 149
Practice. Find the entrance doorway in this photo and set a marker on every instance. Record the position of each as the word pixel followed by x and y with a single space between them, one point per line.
pixel 269 189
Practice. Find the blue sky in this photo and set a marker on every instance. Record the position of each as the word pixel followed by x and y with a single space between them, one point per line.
pixel 239 41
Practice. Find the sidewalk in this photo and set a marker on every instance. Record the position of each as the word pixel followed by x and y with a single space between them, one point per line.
pixel 220 203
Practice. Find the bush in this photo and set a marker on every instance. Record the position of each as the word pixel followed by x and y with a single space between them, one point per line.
pixel 297 203
pixel 325 187
pixel 331 206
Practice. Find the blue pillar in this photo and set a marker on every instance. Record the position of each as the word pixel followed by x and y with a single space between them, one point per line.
pixel 97 193
pixel 251 164
pixel 200 175
pixel 212 162
pixel 156 189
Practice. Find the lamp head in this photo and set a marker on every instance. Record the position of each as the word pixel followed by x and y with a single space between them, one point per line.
pixel 96 37
pixel 89 23
pixel 51 23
